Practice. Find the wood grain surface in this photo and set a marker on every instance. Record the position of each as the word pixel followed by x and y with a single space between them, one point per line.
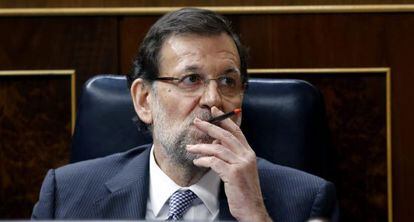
pixel 356 104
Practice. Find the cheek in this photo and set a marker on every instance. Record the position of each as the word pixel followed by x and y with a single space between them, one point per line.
pixel 177 106
pixel 231 104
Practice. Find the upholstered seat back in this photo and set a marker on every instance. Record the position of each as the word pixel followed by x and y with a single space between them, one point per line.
pixel 283 120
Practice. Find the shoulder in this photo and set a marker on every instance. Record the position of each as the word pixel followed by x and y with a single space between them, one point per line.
pixel 71 191
pixel 99 168
pixel 294 192
pixel 271 171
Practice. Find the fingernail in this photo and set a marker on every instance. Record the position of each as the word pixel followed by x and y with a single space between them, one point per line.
pixel 197 120
pixel 188 147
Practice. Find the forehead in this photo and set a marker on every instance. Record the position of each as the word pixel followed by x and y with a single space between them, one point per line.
pixel 203 52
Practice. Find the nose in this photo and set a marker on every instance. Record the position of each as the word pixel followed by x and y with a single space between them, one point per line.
pixel 211 96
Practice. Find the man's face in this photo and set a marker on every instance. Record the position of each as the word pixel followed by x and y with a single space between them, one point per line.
pixel 173 109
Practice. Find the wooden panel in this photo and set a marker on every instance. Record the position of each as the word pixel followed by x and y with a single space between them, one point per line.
pixel 131 33
pixel 349 41
pixel 332 41
pixel 299 41
pixel 356 112
pixel 361 156
pixel 35 132
pixel 398 50
pixel 88 45
pixel 164 3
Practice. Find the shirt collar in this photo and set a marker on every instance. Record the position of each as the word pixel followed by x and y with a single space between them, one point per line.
pixel 162 187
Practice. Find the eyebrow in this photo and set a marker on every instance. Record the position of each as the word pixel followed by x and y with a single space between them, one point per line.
pixel 192 68
pixel 231 70
pixel 195 68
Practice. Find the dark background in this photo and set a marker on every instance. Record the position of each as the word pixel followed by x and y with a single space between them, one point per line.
pixel 92 44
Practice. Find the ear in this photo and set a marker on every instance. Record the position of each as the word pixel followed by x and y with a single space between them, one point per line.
pixel 140 93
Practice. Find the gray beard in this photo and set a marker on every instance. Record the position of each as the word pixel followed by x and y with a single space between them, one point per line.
pixel 174 144
pixel 175 147
pixel 178 152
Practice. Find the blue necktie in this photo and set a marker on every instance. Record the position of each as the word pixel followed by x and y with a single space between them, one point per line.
pixel 179 203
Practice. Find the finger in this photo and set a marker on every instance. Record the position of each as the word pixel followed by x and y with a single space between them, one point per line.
pixel 216 150
pixel 229 125
pixel 216 164
pixel 226 138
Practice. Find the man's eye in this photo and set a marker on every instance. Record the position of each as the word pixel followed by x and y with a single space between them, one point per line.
pixel 191 80
pixel 227 81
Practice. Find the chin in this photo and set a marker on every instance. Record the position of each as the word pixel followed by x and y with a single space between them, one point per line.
pixel 198 136
pixel 204 139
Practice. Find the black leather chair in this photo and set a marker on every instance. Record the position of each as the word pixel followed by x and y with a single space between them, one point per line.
pixel 283 120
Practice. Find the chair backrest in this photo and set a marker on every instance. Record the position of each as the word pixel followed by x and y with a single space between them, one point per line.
pixel 283 120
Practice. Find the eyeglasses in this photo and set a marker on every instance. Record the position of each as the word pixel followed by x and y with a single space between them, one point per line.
pixel 194 84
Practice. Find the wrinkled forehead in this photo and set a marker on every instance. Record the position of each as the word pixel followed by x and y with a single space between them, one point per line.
pixel 222 39
pixel 190 52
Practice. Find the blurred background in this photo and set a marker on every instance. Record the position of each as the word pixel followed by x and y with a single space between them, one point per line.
pixel 357 52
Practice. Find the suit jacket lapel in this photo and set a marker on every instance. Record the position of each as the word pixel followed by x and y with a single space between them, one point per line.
pixel 128 190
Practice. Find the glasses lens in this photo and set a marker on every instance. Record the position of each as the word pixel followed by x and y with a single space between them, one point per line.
pixel 229 85
pixel 191 83
pixel 194 84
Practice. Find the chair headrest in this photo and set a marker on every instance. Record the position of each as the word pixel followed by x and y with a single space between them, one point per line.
pixel 283 120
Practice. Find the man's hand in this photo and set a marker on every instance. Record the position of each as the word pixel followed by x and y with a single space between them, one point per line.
pixel 235 162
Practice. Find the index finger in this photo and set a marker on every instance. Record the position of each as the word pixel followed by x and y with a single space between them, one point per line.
pixel 230 126
pixel 225 137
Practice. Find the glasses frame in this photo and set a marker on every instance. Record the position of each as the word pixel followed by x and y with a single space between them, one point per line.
pixel 171 79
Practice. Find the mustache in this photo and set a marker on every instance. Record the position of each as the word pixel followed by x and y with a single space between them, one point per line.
pixel 203 115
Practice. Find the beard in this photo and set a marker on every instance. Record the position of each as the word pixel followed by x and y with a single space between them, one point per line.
pixel 174 136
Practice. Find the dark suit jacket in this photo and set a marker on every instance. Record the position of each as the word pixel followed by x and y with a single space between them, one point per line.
pixel 116 187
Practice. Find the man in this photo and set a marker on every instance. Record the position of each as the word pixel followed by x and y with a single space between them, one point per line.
pixel 190 67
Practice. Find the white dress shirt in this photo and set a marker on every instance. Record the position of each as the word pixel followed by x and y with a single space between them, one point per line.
pixel 161 187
